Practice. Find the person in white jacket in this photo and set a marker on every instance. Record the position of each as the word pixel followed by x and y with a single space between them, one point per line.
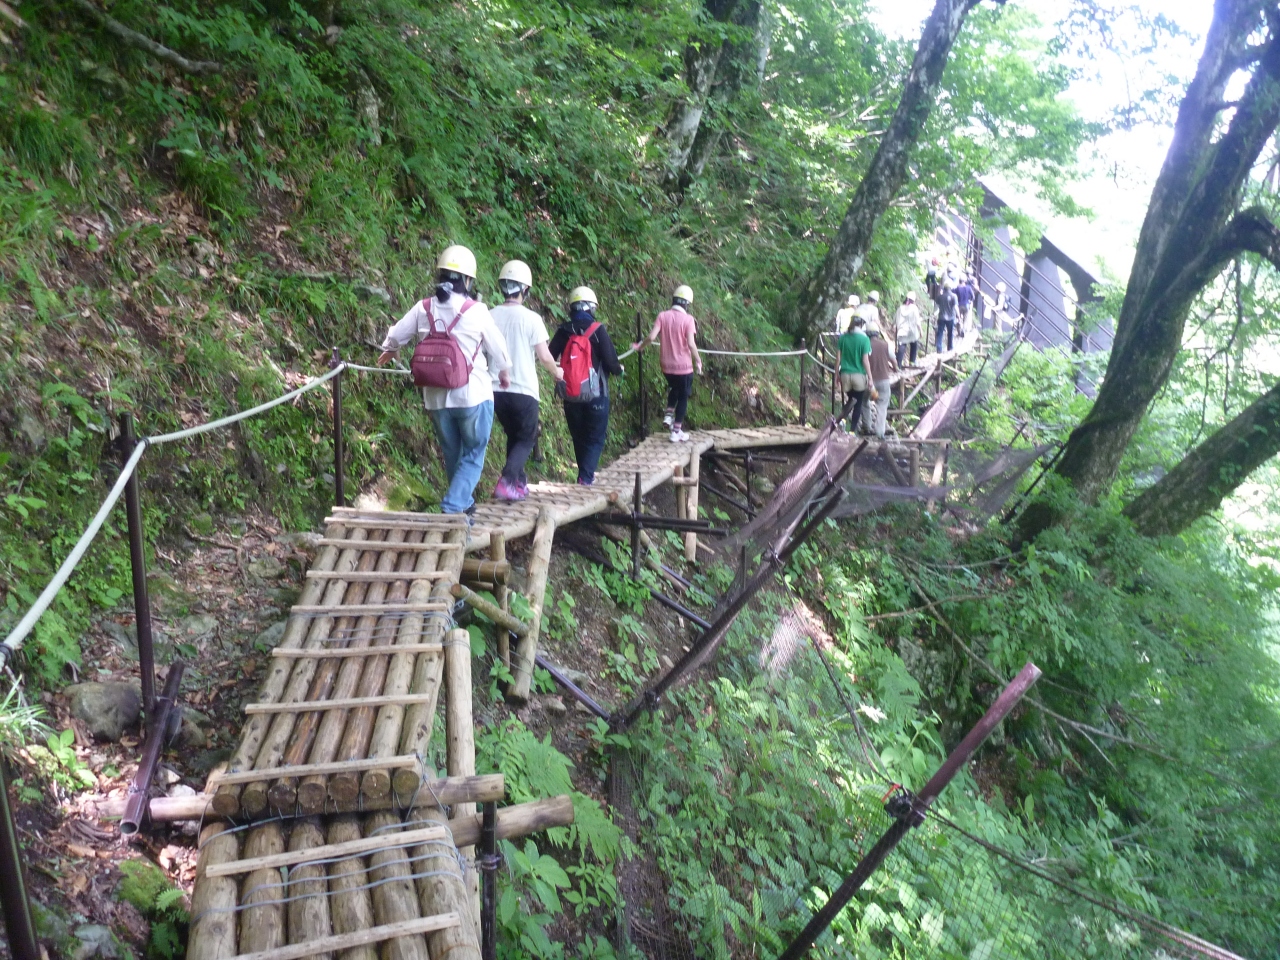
pixel 463 416
pixel 907 320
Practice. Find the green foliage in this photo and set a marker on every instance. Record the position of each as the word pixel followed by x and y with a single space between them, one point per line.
pixel 538 885
pixel 20 722
pixel 146 887
pixel 57 761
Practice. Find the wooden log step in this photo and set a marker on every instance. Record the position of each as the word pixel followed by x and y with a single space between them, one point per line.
pixel 381 545
pixel 310 769
pixel 378 576
pixel 383 651
pixel 371 609
pixel 447 790
pixel 351 703
pixel 356 938
pixel 452 518
pixel 431 522
pixel 490 610
pixel 383 841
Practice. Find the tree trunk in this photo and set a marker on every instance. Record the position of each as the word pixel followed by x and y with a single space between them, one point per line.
pixel 828 287
pixel 1209 473
pixel 701 63
pixel 732 71
pixel 1188 236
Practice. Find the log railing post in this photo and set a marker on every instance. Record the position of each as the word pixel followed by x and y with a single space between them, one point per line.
pixel 804 386
pixel 339 451
pixel 138 567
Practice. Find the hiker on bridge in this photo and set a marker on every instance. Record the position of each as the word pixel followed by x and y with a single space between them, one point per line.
pixel 881 366
pixel 677 330
pixel 871 312
pixel 948 305
pixel 516 405
pixel 855 373
pixel 907 320
pixel 965 294
pixel 458 345
pixel 582 347
pixel 845 315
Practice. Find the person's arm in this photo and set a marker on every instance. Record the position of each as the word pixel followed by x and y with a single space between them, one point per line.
pixel 653 336
pixel 866 368
pixel 548 362
pixel 603 347
pixel 557 344
pixel 693 347
pixel 494 345
pixel 401 334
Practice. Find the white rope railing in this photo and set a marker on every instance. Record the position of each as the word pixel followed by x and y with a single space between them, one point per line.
pixel 245 414
pixel 25 625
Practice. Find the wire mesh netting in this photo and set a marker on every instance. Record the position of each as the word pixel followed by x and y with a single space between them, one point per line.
pixel 755 780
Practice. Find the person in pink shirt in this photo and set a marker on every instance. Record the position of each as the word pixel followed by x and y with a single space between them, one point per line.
pixel 679 354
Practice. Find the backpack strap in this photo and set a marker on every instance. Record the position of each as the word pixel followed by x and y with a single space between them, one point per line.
pixel 590 331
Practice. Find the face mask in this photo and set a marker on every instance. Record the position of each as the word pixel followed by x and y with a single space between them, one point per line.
pixel 581 313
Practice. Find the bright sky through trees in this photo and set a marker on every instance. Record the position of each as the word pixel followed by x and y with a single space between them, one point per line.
pixel 1118 171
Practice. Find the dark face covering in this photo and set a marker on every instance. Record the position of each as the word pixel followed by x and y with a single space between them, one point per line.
pixel 447 282
pixel 581 315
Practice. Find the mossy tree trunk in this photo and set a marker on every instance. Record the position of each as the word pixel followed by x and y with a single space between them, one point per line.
pixel 1209 473
pixel 1192 230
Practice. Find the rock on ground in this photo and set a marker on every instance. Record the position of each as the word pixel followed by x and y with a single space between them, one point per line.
pixel 106 709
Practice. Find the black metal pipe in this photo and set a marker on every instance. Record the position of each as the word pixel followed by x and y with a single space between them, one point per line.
pixel 748 462
pixel 14 905
pixel 138 567
pixel 488 864
pixel 727 498
pixel 654 522
pixel 662 598
pixel 339 449
pixel 912 813
pixel 158 731
pixel 641 405
pixel 575 691
pixel 735 456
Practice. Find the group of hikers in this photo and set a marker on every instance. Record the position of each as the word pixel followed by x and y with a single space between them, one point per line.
pixel 868 358
pixel 474 364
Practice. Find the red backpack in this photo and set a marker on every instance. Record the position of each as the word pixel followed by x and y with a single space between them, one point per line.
pixel 581 379
pixel 438 360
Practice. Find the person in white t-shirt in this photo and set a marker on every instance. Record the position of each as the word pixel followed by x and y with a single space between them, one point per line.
pixel 516 405
pixel 462 416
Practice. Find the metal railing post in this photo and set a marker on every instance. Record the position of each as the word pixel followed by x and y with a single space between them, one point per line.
pixel 804 386
pixel 488 863
pixel 636 528
pixel 641 405
pixel 13 887
pixel 339 451
pixel 138 566
pixel 909 811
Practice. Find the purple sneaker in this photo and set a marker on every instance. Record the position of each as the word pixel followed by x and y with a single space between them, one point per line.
pixel 585 483
pixel 507 491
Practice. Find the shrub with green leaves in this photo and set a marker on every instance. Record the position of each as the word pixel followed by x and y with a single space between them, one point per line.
pixel 145 886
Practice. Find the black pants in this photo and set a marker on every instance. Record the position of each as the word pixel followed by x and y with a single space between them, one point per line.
pixel 588 425
pixel 518 414
pixel 679 386
pixel 859 398
pixel 902 351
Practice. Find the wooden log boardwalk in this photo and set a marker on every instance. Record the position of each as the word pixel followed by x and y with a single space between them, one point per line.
pixel 330 834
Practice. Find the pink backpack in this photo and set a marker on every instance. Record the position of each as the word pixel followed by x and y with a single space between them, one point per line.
pixel 438 360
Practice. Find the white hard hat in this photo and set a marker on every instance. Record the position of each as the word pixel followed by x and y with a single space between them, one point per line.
pixel 683 292
pixel 518 271
pixel 583 294
pixel 459 259
pixel 910 297
pixel 1000 285
pixel 873 328
pixel 874 296
pixel 851 300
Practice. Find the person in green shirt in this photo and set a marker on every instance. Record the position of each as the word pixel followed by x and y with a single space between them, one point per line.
pixel 855 374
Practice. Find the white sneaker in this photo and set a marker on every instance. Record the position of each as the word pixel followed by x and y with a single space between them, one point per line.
pixel 667 420
pixel 679 436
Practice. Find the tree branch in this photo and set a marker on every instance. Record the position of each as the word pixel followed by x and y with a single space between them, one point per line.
pixel 135 39
pixel 11 15
pixel 1252 231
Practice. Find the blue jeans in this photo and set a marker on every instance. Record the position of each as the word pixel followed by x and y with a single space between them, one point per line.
pixel 588 425
pixel 949 326
pixel 463 433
